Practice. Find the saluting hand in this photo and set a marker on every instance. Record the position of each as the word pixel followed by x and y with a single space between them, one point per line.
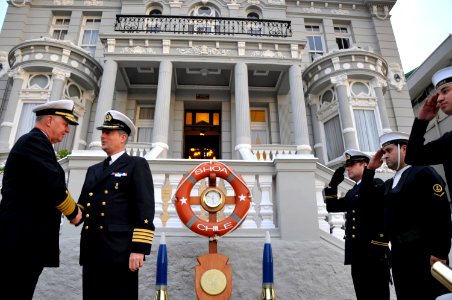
pixel 376 162
pixel 430 108
pixel 337 178
pixel 136 261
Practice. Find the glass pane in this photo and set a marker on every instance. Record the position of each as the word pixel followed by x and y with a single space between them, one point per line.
pixel 204 11
pixel 311 42
pixel 202 118
pixel 188 118
pixel 258 115
pixel 39 80
pixel 259 137
pixel 333 136
pixel 144 134
pixel 146 113
pixel 318 43
pixel 360 88
pixel 216 119
pixel 366 129
pixel 74 91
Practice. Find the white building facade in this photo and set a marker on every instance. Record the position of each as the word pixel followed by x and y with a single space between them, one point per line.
pixel 278 89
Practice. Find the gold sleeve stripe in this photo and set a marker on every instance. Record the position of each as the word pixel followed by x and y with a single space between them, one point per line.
pixel 379 243
pixel 143 235
pixel 330 197
pixel 142 241
pixel 67 206
pixel 81 206
pixel 143 230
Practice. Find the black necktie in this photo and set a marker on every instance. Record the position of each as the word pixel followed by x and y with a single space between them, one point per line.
pixel 107 162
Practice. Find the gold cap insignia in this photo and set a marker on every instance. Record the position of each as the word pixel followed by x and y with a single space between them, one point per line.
pixel 347 156
pixel 108 117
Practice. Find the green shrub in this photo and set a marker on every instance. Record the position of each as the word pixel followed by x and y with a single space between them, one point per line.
pixel 62 153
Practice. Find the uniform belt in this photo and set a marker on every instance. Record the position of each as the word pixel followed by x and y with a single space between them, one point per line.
pixel 408 236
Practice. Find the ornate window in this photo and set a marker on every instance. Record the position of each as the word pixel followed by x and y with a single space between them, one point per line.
pixel 155 12
pixel 366 129
pixel 314 34
pixel 203 25
pixel 38 81
pixel 254 27
pixel 333 138
pixel 343 36
pixel 90 34
pixel 363 103
pixel 259 126
pixel 144 123
pixel 59 28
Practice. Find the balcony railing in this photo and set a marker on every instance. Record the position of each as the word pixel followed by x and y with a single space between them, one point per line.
pixel 202 25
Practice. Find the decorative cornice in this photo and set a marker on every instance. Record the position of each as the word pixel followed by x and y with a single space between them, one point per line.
pixel 60 74
pixel 267 53
pixel 203 50
pixel 327 111
pixel 340 79
pixel 138 50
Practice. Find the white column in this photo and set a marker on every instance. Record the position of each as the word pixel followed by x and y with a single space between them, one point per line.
pixel 105 99
pixel 378 85
pixel 59 77
pixel 162 111
pixel 82 129
pixel 299 111
pixel 242 112
pixel 19 76
pixel 318 145
pixel 348 129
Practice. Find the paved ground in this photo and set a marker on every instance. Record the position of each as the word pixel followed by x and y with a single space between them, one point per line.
pixel 302 270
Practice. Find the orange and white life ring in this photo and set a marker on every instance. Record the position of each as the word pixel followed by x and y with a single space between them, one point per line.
pixel 205 228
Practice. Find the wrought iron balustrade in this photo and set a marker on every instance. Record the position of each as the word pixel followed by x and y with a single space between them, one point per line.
pixel 202 25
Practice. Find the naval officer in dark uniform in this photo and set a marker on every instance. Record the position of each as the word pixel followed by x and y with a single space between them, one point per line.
pixel 438 151
pixel 34 195
pixel 417 219
pixel 366 247
pixel 117 199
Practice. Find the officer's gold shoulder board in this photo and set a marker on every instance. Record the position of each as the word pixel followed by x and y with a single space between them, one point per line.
pixel 438 190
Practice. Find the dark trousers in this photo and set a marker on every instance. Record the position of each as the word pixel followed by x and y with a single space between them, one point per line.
pixel 112 282
pixel 18 282
pixel 411 273
pixel 371 279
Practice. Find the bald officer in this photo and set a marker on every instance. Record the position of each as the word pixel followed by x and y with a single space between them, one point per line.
pixel 438 151
pixel 366 247
pixel 417 219
pixel 117 199
pixel 34 195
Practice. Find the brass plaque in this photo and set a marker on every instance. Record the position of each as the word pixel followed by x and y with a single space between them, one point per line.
pixel 213 282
